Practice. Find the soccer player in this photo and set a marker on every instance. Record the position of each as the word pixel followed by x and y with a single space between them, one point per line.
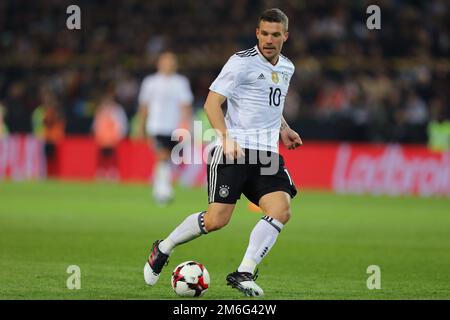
pixel 165 104
pixel 255 83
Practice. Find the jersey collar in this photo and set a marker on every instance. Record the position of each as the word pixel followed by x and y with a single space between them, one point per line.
pixel 264 60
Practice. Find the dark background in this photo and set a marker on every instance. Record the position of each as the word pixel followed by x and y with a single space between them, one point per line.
pixel 351 83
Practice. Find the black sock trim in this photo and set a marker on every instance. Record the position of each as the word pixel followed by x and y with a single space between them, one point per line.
pixel 201 222
pixel 269 220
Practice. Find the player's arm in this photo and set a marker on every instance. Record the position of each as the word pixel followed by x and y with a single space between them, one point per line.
pixel 289 137
pixel 186 116
pixel 186 100
pixel 145 93
pixel 142 119
pixel 213 110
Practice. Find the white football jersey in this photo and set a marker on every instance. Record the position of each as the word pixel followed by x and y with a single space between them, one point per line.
pixel 164 95
pixel 255 91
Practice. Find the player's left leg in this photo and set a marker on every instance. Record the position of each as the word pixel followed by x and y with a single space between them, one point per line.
pixel 162 189
pixel 276 206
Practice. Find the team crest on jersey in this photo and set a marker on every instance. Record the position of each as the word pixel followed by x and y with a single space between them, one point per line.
pixel 275 77
pixel 224 191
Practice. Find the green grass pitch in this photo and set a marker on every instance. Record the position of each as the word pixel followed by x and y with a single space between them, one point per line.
pixel 323 253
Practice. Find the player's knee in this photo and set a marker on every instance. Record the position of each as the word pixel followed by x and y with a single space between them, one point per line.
pixel 282 215
pixel 213 223
pixel 286 215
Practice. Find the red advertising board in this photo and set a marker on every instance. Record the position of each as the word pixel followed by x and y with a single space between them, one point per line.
pixel 347 168
pixel 21 157
pixel 373 169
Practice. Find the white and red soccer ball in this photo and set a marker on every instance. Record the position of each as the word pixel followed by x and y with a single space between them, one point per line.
pixel 190 279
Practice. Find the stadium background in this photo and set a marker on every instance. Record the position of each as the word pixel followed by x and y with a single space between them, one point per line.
pixel 372 107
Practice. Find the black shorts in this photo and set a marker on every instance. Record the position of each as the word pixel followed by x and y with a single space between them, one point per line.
pixel 164 142
pixel 107 152
pixel 258 174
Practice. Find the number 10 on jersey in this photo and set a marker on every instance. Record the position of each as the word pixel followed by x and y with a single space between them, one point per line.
pixel 274 96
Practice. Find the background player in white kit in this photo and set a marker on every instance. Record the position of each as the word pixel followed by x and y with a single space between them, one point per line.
pixel 255 82
pixel 165 104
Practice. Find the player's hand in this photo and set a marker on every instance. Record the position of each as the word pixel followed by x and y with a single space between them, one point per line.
pixel 231 149
pixel 290 138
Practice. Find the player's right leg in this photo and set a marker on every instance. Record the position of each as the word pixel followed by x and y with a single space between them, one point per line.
pixel 225 183
pixel 216 217
pixel 162 186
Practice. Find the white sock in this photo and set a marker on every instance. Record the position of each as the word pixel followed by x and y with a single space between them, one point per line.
pixel 192 227
pixel 262 239
pixel 163 180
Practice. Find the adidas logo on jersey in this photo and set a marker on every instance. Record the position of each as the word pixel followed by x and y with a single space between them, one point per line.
pixel 261 77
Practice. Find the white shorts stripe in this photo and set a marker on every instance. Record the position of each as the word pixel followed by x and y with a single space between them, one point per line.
pixel 213 172
pixel 219 157
pixel 290 180
pixel 211 166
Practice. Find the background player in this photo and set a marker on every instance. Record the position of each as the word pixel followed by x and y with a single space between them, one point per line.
pixel 165 104
pixel 255 83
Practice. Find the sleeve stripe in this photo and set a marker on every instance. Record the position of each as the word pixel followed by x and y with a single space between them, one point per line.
pixel 251 52
pixel 245 51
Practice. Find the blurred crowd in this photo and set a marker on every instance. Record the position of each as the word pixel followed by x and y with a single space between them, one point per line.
pixel 351 83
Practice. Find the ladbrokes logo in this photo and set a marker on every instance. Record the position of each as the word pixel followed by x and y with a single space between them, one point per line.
pixel 391 172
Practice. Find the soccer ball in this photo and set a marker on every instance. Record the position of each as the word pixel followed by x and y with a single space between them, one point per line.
pixel 190 279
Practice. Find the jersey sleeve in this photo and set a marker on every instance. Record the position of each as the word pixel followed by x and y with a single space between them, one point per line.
pixel 144 92
pixel 185 93
pixel 229 77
